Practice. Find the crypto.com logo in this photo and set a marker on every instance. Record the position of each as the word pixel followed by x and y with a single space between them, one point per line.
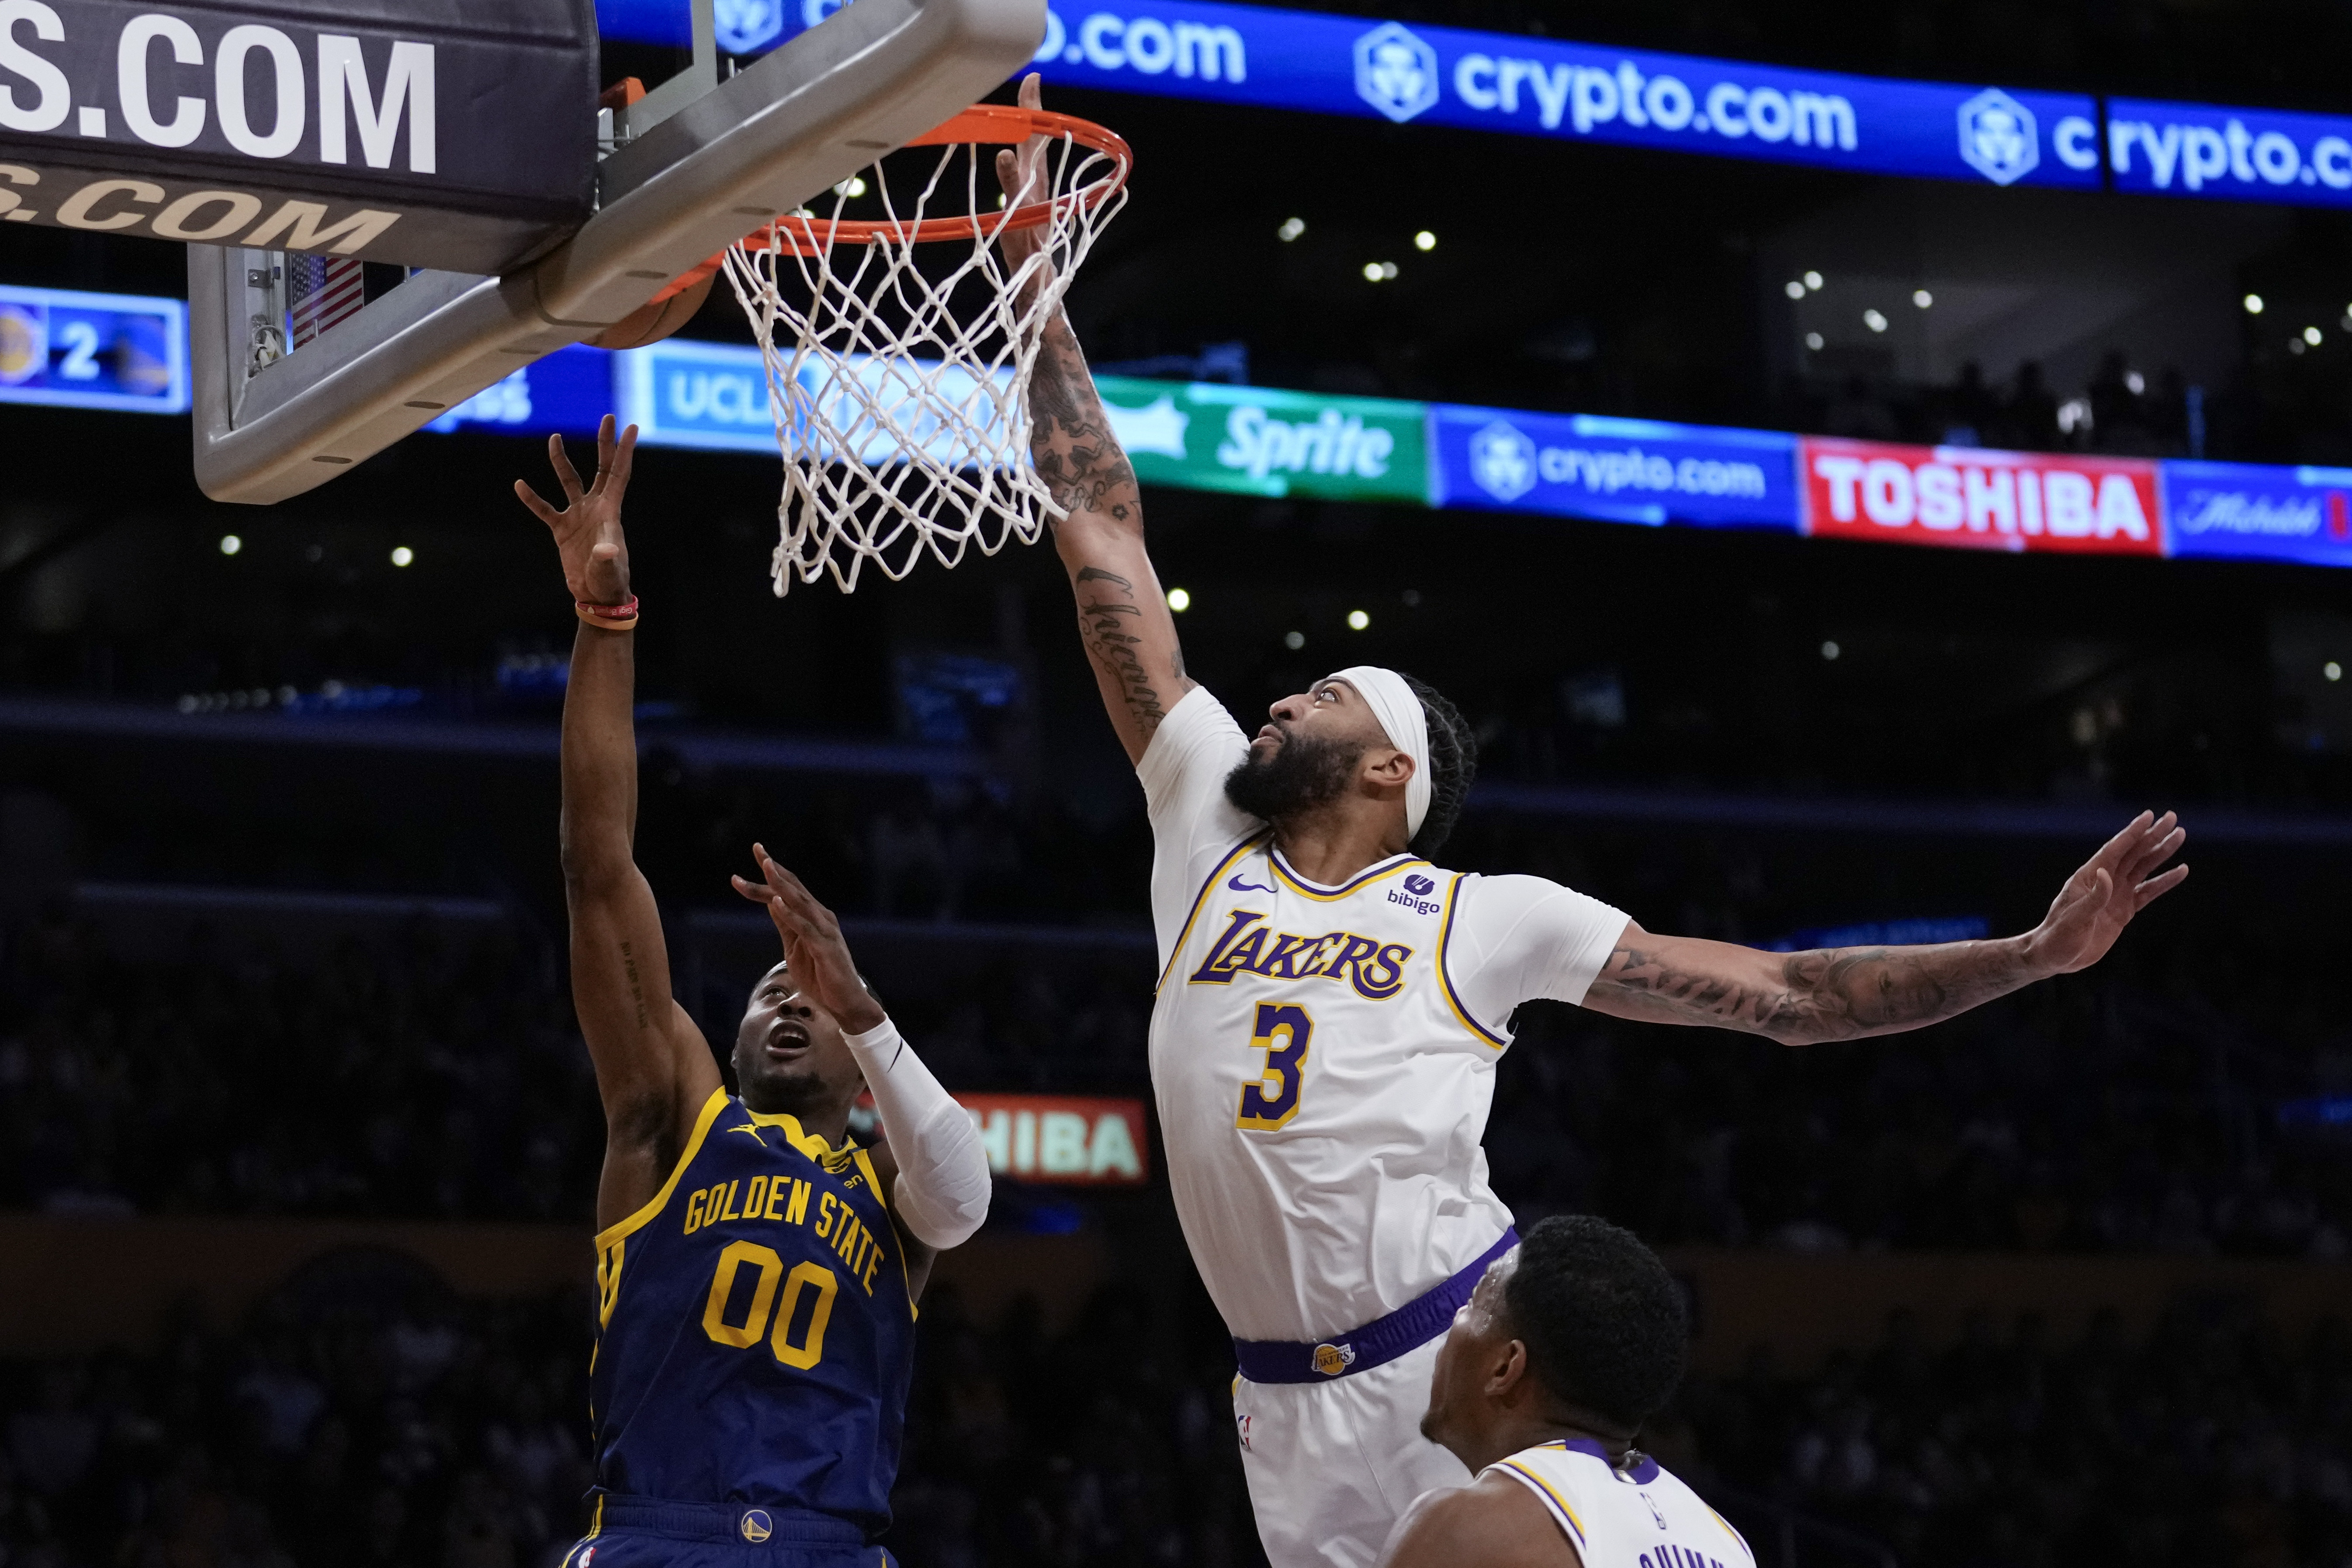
pixel 747 27
pixel 1396 73
pixel 1503 461
pixel 1998 138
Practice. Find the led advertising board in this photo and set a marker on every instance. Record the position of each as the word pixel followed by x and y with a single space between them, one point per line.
pixel 1261 440
pixel 1074 1139
pixel 1969 499
pixel 93 351
pixel 1615 470
pixel 401 132
pixel 1497 81
pixel 2236 154
pixel 2256 512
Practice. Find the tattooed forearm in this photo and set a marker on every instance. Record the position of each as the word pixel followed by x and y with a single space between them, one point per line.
pixel 1108 617
pixel 1834 993
pixel 1070 438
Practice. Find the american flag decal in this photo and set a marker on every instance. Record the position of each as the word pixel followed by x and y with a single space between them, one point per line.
pixel 322 291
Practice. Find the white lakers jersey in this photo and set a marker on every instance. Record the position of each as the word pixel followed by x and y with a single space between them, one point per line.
pixel 1638 1518
pixel 1324 1056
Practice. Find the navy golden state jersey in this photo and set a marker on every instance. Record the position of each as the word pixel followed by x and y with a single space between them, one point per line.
pixel 755 1330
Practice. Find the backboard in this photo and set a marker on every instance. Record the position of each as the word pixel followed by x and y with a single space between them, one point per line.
pixel 704 158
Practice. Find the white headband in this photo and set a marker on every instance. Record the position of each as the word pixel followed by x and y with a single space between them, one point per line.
pixel 1405 723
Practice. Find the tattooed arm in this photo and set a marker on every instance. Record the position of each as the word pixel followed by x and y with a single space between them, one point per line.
pixel 654 1071
pixel 1848 992
pixel 1123 617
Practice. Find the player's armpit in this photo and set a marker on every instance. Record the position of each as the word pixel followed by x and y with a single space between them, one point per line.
pixel 1492 1522
pixel 654 1069
pixel 1798 999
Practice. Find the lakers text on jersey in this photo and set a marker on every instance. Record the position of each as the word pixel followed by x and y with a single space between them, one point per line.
pixel 1323 1094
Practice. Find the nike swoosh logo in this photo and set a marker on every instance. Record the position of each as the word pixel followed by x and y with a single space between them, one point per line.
pixel 1238 885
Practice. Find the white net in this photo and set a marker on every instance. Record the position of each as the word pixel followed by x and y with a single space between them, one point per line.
pixel 899 352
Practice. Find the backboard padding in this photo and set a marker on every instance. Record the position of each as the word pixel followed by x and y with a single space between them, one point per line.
pixel 762 143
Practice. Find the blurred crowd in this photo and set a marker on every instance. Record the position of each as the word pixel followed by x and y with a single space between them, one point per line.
pixel 363 1416
pixel 2128 1109
pixel 2121 411
pixel 2217 1439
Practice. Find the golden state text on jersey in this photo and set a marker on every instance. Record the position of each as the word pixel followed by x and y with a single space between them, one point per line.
pixel 755 1329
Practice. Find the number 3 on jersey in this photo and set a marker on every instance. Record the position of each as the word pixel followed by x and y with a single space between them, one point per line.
pixel 1271 1100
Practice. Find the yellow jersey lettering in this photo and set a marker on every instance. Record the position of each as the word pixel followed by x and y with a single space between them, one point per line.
pixel 825 1206
pixel 730 1213
pixel 845 1236
pixel 866 1276
pixel 693 1212
pixel 777 1188
pixel 753 1196
pixel 796 1212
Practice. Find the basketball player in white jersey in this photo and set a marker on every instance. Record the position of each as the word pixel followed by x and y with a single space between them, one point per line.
pixel 1331 1005
pixel 1570 1343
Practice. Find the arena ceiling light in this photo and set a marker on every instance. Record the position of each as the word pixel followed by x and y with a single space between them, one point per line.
pixel 1292 227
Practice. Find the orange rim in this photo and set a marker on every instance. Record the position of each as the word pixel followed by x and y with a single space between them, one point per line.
pixel 982 124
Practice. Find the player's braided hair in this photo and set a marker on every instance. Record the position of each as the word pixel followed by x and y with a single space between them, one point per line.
pixel 1605 1325
pixel 1453 763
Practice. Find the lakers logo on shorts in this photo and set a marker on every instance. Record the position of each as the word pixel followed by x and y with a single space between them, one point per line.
pixel 756 1526
pixel 1333 1360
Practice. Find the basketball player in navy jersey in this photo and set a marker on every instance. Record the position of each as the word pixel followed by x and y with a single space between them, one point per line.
pixel 756 1270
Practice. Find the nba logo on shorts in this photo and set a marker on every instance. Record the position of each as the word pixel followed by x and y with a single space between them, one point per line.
pixel 756 1525
pixel 1333 1360
pixel 746 27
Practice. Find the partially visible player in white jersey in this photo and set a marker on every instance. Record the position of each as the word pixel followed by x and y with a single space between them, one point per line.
pixel 1331 1005
pixel 1571 1343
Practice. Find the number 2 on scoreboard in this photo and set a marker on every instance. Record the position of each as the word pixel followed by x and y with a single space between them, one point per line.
pixel 1270 1099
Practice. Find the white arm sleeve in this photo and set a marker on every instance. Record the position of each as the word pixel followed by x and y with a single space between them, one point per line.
pixel 941 1194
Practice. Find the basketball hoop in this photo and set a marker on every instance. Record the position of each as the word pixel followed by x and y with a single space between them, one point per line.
pixel 899 365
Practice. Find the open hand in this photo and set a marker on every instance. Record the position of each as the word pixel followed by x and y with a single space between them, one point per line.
pixel 588 529
pixel 1025 178
pixel 2097 902
pixel 814 953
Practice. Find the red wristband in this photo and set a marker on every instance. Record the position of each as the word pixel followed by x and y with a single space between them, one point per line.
pixel 612 617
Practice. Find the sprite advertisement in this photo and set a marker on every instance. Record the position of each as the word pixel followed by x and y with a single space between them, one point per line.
pixel 1263 441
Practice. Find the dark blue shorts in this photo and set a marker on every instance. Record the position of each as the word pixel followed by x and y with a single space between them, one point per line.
pixel 640 1532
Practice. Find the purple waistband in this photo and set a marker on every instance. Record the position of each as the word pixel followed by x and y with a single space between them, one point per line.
pixel 1376 1343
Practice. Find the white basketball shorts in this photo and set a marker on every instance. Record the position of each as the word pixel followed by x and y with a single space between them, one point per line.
pixel 1332 1466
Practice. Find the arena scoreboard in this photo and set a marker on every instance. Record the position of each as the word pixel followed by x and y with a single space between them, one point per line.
pixel 93 351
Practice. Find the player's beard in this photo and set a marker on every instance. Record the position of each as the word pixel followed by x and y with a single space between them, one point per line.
pixel 1300 776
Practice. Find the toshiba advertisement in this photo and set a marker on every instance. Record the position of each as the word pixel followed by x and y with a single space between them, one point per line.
pixel 1963 498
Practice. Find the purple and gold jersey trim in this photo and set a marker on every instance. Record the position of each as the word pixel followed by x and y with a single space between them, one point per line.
pixel 1185 935
pixel 1365 878
pixel 1550 1498
pixel 1445 977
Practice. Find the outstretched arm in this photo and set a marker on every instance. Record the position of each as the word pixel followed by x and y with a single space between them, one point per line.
pixel 1123 617
pixel 1848 992
pixel 654 1071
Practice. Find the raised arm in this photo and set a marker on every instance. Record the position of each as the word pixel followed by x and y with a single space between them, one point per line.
pixel 1848 992
pixel 654 1071
pixel 1123 616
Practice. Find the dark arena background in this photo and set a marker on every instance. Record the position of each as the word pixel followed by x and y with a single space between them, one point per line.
pixel 299 1140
